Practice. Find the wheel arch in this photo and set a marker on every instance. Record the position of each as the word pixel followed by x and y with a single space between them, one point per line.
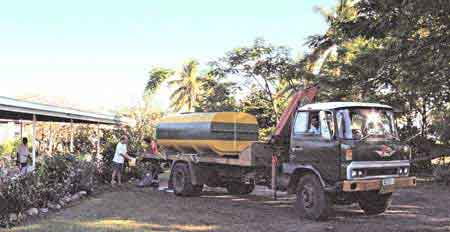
pixel 300 171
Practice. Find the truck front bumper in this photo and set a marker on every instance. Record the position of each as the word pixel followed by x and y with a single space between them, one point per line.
pixel 377 184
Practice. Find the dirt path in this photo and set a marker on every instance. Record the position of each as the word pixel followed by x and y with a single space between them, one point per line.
pixel 426 208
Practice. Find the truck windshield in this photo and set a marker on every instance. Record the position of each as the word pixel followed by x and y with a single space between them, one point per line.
pixel 362 123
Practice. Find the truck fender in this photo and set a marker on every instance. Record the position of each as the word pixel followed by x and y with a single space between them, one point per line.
pixel 296 172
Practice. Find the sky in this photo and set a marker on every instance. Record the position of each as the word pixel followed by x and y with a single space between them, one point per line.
pixel 97 54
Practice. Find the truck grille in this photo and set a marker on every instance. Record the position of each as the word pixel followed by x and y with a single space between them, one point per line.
pixel 381 172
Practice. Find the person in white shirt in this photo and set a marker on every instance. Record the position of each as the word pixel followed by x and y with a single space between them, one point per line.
pixel 119 159
pixel 23 153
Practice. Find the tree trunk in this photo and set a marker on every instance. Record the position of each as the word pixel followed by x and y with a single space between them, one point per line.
pixel 424 116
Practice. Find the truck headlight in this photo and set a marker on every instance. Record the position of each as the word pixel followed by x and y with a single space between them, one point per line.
pixel 357 173
pixel 403 171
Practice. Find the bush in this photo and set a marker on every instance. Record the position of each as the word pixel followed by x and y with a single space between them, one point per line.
pixel 55 178
pixel 8 147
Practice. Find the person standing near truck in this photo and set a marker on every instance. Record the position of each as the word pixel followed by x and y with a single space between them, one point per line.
pixel 119 159
pixel 23 154
pixel 153 147
pixel 152 153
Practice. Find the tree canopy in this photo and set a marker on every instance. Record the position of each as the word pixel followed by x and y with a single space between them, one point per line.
pixel 392 52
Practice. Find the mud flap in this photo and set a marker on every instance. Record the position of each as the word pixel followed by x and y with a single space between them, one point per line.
pixel 193 172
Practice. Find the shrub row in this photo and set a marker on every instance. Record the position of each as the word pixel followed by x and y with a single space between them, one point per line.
pixel 53 179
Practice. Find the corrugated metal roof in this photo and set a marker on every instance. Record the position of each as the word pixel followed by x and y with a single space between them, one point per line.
pixel 335 105
pixel 17 109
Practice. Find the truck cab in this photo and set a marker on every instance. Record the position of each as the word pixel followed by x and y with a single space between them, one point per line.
pixel 345 152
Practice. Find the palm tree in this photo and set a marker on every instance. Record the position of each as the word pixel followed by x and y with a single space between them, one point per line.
pixel 324 46
pixel 327 44
pixel 156 77
pixel 188 87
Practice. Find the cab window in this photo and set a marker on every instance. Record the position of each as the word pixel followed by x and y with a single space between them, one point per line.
pixel 301 123
pixel 307 123
pixel 327 125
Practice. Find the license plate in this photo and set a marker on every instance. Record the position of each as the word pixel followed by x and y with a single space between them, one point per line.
pixel 388 181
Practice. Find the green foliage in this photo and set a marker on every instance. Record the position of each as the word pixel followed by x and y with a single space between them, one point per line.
pixel 216 96
pixel 253 104
pixel 441 126
pixel 9 147
pixel 268 71
pixel 397 53
pixel 392 52
pixel 411 65
pixel 145 119
pixel 188 86
pixel 54 178
pixel 85 138
pixel 156 77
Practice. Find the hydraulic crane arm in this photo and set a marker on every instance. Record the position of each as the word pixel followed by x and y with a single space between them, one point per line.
pixel 302 97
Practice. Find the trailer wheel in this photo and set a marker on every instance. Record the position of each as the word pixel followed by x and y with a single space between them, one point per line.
pixel 239 188
pixel 181 181
pixel 312 201
pixel 374 203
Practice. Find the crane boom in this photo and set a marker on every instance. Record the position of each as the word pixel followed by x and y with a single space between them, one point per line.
pixel 301 97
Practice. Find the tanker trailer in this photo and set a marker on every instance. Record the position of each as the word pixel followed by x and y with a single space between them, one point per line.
pixel 223 134
pixel 214 149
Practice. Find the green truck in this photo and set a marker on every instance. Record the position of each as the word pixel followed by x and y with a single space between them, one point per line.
pixel 325 153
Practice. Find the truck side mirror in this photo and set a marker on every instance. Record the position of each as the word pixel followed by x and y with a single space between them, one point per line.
pixel 324 126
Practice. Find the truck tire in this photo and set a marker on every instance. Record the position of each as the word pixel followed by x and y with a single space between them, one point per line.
pixel 374 203
pixel 181 181
pixel 312 201
pixel 239 188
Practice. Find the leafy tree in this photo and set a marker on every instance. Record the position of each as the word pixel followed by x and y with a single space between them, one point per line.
pixel 144 118
pixel 216 96
pixel 259 67
pixel 187 86
pixel 325 46
pixel 412 65
pixel 255 104
pixel 395 52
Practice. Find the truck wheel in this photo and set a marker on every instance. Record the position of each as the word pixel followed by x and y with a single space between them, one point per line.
pixel 239 188
pixel 374 203
pixel 312 201
pixel 181 181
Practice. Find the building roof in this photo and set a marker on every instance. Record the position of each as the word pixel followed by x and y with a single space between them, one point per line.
pixel 335 105
pixel 24 110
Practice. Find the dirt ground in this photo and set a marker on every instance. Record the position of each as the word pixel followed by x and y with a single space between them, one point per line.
pixel 425 208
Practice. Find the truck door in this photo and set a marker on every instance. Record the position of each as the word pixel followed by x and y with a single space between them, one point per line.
pixel 313 143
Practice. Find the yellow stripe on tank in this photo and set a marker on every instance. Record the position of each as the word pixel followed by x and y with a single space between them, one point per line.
pixel 219 117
